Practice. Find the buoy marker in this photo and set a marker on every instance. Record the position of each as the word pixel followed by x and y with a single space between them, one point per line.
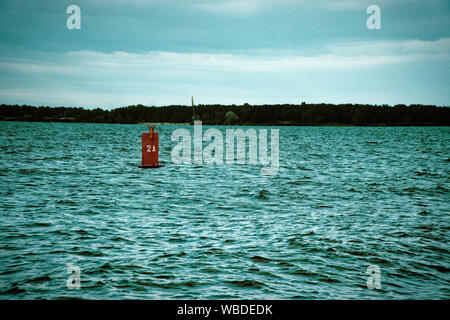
pixel 150 149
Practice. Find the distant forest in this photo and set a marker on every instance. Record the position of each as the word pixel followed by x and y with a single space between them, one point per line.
pixel 283 114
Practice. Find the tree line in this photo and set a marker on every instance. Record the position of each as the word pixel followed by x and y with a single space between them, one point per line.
pixel 246 114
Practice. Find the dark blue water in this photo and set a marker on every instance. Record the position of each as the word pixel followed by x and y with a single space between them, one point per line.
pixel 344 198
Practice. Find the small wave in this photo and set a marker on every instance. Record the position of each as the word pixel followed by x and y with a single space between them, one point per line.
pixel 40 224
pixel 306 273
pixel 65 201
pixel 305 169
pixel 407 273
pixel 439 268
pixel 246 283
pixel 106 267
pixel 217 251
pixel 15 289
pixel 328 279
pixel 324 206
pixel 39 279
pixel 82 232
pixel 380 261
pixel 176 285
pixel 411 189
pixel 260 259
pixel 319 155
pixel 263 194
pixel 8 272
pixel 426 228
pixel 68 298
pixel 357 253
pixel 121 239
pixel 28 171
pixel 90 253
pixel 60 232
pixel 168 255
pixel 210 270
pixel 176 240
pixel 164 276
pixel 399 234
pixel 267 274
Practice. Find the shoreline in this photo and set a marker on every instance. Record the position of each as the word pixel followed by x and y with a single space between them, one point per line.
pixel 246 124
pixel 245 115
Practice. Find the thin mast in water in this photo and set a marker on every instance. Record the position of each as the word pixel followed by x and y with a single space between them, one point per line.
pixel 195 117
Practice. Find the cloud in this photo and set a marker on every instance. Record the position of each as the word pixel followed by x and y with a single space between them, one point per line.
pixel 440 47
pixel 253 7
pixel 75 97
pixel 242 8
pixel 37 66
pixel 90 78
pixel 341 56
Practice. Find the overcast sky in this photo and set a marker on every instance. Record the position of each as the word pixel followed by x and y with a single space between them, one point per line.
pixel 158 52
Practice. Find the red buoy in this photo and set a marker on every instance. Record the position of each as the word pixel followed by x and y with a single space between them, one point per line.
pixel 150 149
